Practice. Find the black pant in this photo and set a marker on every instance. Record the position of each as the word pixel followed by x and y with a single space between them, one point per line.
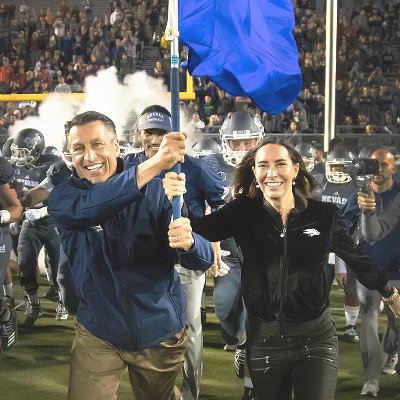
pixel 66 284
pixel 32 237
pixel 305 361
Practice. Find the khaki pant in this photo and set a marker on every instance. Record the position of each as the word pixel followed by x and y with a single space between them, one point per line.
pixel 97 366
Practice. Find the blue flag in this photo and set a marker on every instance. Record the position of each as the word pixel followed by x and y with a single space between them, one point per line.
pixel 245 46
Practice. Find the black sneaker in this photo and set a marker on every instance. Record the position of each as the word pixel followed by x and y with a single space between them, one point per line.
pixel 9 301
pixel 9 331
pixel 52 294
pixel 240 357
pixel 249 394
pixel 32 312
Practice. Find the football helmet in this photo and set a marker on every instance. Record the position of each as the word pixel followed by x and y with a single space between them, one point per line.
pixel 27 146
pixel 6 149
pixel 307 152
pixel 335 160
pixel 51 150
pixel 239 126
pixel 206 146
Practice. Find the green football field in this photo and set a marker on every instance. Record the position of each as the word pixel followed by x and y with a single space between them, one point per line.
pixel 37 367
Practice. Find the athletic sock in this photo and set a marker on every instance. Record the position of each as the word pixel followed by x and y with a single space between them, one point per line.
pixel 9 290
pixel 351 314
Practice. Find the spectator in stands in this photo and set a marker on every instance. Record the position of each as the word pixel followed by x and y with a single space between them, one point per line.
pixel 20 78
pixel 384 101
pixel 116 17
pixel 158 71
pixel 126 66
pixel 375 20
pixel 208 108
pixel 66 46
pixel 3 14
pixel 387 59
pixel 72 77
pixel 307 72
pixel 166 67
pixel 396 98
pixel 376 78
pixel 365 101
pixel 56 65
pixel 116 53
pixel 195 125
pixel 224 103
pixel 315 108
pixel 78 49
pixel 361 22
pixel 389 124
pixel 214 124
pixel 6 74
pixel 355 74
pixel 43 74
pixel 62 86
pixel 101 51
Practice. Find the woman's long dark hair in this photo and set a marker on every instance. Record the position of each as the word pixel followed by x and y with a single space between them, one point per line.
pixel 245 182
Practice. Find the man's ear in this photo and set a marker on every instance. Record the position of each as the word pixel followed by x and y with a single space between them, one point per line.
pixel 116 146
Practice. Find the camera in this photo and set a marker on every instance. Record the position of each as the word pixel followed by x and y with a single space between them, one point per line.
pixel 360 169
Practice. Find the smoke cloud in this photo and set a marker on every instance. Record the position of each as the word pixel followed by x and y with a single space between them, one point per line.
pixel 104 93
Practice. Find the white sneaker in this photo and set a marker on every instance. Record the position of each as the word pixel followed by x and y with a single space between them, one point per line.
pixel 389 366
pixel 230 347
pixel 371 387
pixel 350 334
pixel 61 312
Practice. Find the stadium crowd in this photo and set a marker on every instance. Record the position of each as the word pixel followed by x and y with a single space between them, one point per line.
pixel 43 53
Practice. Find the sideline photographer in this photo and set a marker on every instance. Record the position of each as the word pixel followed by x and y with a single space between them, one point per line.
pixel 376 179
pixel 374 227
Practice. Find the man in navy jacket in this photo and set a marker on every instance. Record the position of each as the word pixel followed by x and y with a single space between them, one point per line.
pixel 385 255
pixel 116 232
pixel 203 186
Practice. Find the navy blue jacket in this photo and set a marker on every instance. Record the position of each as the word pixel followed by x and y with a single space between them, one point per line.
pixel 385 253
pixel 202 183
pixel 115 238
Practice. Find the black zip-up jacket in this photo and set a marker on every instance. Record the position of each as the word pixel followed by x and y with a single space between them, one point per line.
pixel 282 268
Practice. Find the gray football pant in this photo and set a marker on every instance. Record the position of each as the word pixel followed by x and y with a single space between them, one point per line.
pixel 192 284
pixel 371 348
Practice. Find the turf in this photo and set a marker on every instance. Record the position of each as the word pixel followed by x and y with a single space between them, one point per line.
pixel 37 367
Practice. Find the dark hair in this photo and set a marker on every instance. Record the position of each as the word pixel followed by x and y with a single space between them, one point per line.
pixel 88 117
pixel 156 107
pixel 245 183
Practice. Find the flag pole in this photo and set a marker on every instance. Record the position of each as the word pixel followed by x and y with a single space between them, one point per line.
pixel 172 36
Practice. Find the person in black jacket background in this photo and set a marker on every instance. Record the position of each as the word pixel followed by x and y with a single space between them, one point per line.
pixel 285 238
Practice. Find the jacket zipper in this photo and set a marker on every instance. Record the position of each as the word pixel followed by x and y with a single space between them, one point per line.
pixel 131 318
pixel 283 263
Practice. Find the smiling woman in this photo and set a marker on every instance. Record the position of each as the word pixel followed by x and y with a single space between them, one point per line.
pixel 285 238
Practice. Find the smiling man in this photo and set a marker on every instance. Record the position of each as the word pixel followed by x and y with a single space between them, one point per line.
pixel 116 232
pixel 385 255
pixel 203 185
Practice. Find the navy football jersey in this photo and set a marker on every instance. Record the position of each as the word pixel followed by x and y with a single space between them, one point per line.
pixel 6 171
pixel 227 173
pixel 31 176
pixel 336 193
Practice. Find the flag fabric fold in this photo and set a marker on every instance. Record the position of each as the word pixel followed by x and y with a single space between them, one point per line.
pixel 245 46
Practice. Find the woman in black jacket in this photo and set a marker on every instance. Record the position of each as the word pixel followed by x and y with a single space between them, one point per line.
pixel 285 238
